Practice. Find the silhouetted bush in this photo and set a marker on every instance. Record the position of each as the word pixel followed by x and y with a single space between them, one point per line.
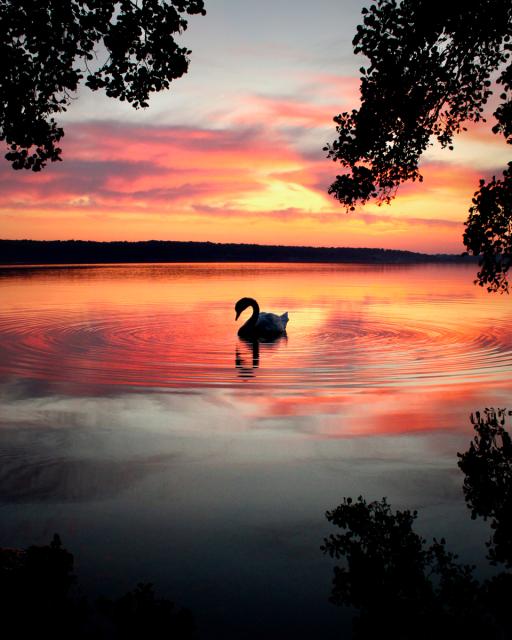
pixel 487 466
pixel 39 598
pixel 404 588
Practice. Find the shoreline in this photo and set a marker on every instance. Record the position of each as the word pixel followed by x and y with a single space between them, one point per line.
pixel 84 252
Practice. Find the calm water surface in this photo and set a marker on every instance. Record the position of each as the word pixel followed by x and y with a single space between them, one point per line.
pixel 163 448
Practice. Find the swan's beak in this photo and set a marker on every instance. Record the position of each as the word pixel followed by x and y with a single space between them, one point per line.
pixel 237 315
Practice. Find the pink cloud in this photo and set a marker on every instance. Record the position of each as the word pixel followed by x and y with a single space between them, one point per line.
pixel 250 173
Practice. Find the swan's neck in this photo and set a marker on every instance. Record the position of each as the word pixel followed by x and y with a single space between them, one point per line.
pixel 255 314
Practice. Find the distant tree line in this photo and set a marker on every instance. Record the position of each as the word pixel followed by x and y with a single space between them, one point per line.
pixel 82 252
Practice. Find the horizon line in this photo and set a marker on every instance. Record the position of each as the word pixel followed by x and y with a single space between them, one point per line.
pixel 242 244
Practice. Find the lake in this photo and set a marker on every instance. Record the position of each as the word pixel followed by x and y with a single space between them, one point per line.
pixel 163 448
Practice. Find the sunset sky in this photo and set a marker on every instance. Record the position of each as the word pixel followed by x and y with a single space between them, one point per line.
pixel 233 153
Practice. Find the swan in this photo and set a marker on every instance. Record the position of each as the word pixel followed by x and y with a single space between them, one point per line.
pixel 260 324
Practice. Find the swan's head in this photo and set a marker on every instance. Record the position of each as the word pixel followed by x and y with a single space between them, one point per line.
pixel 242 305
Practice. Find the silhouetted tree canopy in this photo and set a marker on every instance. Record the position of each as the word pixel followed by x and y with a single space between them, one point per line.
pixel 49 46
pixel 401 587
pixel 431 67
pixel 487 466
pixel 40 598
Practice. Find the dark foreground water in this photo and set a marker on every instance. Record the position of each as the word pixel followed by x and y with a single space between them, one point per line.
pixel 164 449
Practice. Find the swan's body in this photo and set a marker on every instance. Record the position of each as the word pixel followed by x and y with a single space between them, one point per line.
pixel 260 324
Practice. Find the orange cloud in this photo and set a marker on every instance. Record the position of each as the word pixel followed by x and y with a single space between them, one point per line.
pixel 141 182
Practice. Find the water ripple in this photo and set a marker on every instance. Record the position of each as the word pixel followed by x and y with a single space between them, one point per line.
pixel 166 350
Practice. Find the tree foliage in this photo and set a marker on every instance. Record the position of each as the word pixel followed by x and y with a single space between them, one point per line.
pixel 401 587
pixel 49 46
pixel 431 69
pixel 40 597
pixel 404 588
pixel 487 468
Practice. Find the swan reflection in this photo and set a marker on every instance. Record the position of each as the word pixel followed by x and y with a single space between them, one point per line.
pixel 247 354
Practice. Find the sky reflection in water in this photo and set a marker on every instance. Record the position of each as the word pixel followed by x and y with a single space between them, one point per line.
pixel 136 423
